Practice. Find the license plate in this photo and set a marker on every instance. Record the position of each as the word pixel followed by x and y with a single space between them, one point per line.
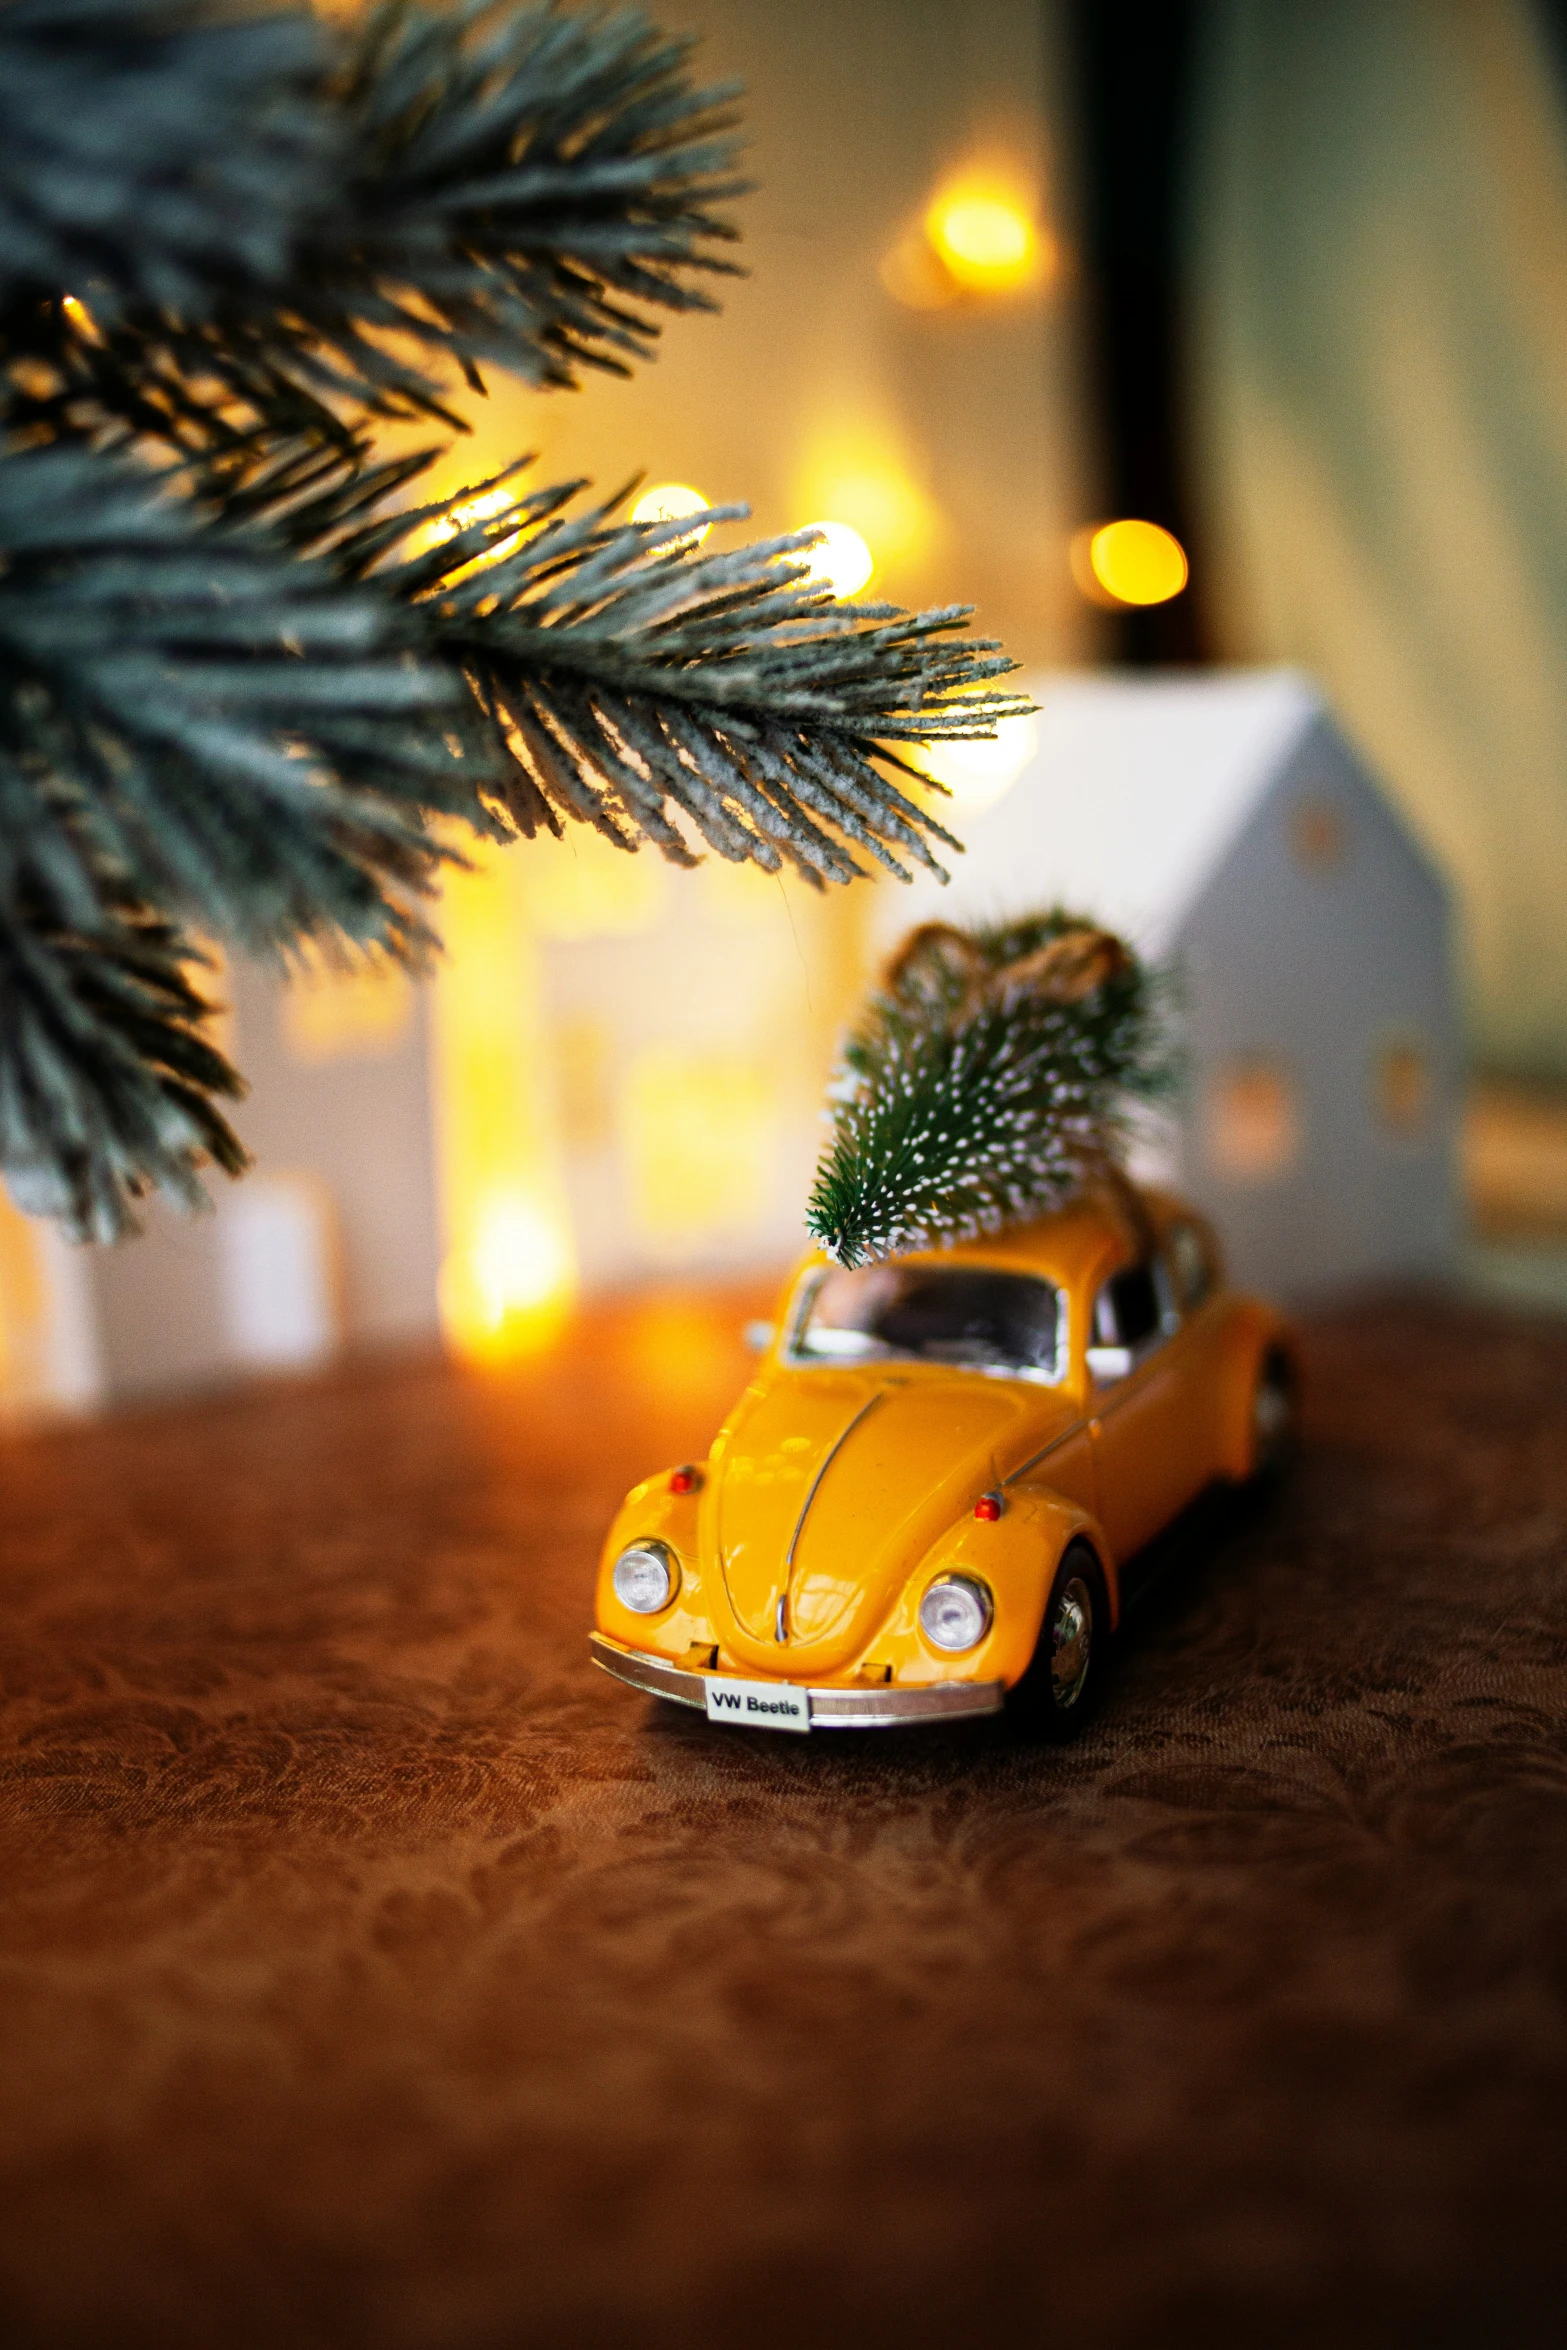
pixel 758 1705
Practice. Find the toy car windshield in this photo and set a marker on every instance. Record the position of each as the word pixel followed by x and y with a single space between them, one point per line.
pixel 1006 1323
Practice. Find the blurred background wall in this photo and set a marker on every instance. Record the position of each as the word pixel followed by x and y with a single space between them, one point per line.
pixel 1377 352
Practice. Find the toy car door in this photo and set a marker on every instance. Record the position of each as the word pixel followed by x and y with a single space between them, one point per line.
pixel 1141 1410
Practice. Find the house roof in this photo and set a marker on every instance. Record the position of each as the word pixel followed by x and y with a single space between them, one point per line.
pixel 1137 790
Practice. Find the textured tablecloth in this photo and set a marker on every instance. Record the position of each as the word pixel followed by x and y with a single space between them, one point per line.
pixel 375 1972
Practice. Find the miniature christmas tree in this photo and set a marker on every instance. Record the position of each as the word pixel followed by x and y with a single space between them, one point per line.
pixel 243 677
pixel 988 1080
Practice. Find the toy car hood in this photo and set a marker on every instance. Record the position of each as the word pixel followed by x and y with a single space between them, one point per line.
pixel 826 1485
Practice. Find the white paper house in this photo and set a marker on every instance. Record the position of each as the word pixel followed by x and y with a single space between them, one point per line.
pixel 1224 825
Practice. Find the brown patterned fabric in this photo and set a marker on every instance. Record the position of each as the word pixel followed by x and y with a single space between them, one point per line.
pixel 377 1973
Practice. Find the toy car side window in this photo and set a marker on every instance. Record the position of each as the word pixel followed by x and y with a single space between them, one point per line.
pixel 1129 1311
pixel 1190 1261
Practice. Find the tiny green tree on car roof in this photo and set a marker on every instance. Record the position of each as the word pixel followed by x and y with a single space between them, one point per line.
pixel 988 1079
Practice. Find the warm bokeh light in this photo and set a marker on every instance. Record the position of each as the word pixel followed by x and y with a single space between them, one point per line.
pixel 481 508
pixel 507 1287
pixel 667 501
pixel 509 1272
pixel 978 774
pixel 356 1013
pixel 986 238
pixel 701 1130
pixel 585 1079
pixel 880 502
pixel 585 887
pixel 24 1309
pixel 855 462
pixel 462 516
pixel 915 275
pixel 840 560
pixel 49 1332
pixel 81 318
pixel 981 237
pixel 682 1346
pixel 1129 562
pixel 1403 1089
pixel 1253 1119
pixel 740 896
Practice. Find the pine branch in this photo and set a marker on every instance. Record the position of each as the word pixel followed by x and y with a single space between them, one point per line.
pixel 632 682
pixel 986 1082
pixel 223 721
pixel 107 1082
pixel 534 181
pixel 157 154
pixel 273 229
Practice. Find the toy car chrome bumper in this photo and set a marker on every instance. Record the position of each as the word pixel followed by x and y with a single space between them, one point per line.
pixel 879 1707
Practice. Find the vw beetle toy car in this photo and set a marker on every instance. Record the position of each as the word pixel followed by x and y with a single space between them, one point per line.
pixel 922 1506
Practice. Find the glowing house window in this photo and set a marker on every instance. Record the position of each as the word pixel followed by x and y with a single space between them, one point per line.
pixel 1402 1090
pixel 352 1014
pixel 1253 1124
pixel 509 1269
pixel 701 1137
pixel 24 1309
pixel 1319 834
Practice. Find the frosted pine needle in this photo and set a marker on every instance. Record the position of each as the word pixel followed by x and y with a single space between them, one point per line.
pixel 986 1082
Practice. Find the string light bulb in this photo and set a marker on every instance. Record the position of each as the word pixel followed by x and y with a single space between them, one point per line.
pixel 510 1288
pixel 978 773
pixel 986 238
pixel 840 560
pixel 667 501
pixel 1129 562
pixel 482 506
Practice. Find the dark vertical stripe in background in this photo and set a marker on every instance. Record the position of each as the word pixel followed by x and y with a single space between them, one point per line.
pixel 1552 16
pixel 1133 61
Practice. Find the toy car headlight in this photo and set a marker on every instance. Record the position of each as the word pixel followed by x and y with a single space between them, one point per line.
pixel 955 1613
pixel 645 1577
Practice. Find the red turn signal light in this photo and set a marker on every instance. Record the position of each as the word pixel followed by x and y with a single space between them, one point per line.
pixel 686 1481
pixel 988 1507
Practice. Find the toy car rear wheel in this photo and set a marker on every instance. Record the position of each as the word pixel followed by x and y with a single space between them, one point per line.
pixel 1060 1690
pixel 1275 1417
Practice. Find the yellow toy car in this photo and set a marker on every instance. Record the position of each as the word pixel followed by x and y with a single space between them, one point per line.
pixel 922 1506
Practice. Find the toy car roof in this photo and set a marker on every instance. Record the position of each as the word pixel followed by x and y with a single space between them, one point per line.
pixel 1070 1246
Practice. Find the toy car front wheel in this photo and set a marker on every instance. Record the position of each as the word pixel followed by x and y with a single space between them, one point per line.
pixel 1059 1691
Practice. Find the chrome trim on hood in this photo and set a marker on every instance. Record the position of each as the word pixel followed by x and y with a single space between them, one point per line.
pixel 828 1458
pixel 1044 1452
